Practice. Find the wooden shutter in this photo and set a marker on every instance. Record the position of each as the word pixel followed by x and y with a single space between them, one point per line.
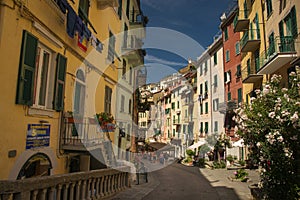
pixel 27 62
pixel 294 22
pixel 61 63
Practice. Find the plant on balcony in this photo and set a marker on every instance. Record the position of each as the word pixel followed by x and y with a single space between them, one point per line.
pixel 270 127
pixel 104 118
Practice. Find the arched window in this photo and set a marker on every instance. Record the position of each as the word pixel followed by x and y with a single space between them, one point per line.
pixel 36 166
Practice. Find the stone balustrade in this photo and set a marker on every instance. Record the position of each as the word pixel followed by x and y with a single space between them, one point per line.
pixel 90 185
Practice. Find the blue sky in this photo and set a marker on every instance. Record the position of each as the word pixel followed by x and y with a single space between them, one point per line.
pixel 185 29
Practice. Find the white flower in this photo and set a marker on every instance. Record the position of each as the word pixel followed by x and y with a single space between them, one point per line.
pixel 285 113
pixel 257 91
pixel 252 98
pixel 258 144
pixel 266 91
pixel 295 117
pixel 292 74
pixel 280 139
pixel 272 115
pixel 284 89
pixel 258 114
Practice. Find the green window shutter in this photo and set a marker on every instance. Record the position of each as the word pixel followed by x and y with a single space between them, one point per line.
pixel 245 10
pixel 240 95
pixel 281 31
pixel 257 26
pixel 206 107
pixel 294 22
pixel 26 69
pixel 229 96
pixel 60 82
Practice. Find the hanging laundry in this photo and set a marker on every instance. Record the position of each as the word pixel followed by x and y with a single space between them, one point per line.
pixel 71 21
pixel 78 26
pixel 86 32
pixel 99 46
pixel 93 41
pixel 62 4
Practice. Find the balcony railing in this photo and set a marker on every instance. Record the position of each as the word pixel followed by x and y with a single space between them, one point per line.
pixel 82 133
pixel 95 184
pixel 249 74
pixel 102 4
pixel 278 54
pixel 250 40
pixel 241 21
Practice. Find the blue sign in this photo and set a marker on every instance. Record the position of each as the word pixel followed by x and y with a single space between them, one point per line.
pixel 38 135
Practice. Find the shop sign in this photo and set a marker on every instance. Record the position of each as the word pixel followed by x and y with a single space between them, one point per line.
pixel 38 135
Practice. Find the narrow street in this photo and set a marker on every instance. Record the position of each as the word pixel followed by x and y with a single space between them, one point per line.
pixel 177 181
pixel 180 182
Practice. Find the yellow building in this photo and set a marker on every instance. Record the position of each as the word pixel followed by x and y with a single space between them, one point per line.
pixel 61 63
pixel 250 22
pixel 282 20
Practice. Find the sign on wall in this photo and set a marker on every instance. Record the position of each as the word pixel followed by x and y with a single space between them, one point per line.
pixel 38 135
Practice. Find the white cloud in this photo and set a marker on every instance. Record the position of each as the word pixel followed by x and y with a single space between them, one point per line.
pixel 154 59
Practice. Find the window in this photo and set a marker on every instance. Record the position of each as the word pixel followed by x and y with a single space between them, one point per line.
pixel 206 108
pixel 206 87
pixel 83 11
pixel 291 24
pixel 127 8
pixel 111 47
pixel 237 48
pixel 201 109
pixel 271 48
pixel 216 126
pixel 125 38
pixel 130 75
pixel 240 95
pixel 249 71
pixel 226 33
pixel 43 78
pixel 120 9
pixel 129 106
pixel 282 5
pixel 216 104
pixel 229 96
pixel 215 59
pixel 177 104
pixel 256 59
pixel 107 100
pixel 216 80
pixel 174 132
pixel 269 7
pixel 173 105
pixel 205 67
pixel 39 82
pixel 200 70
pixel 256 21
pixel 238 71
pixel 174 120
pixel 201 127
pixel 245 10
pixel 206 127
pixel 227 77
pixel 124 70
pixel 227 56
pixel 201 89
pixel 79 97
pixel 122 103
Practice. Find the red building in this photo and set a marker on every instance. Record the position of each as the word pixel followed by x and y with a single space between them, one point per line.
pixel 232 68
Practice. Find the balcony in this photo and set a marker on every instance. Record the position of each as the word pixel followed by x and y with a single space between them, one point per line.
pixel 102 4
pixel 241 21
pixel 250 41
pixel 82 134
pixel 277 55
pixel 249 75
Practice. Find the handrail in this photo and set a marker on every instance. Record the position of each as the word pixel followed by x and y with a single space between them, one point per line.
pixel 80 185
